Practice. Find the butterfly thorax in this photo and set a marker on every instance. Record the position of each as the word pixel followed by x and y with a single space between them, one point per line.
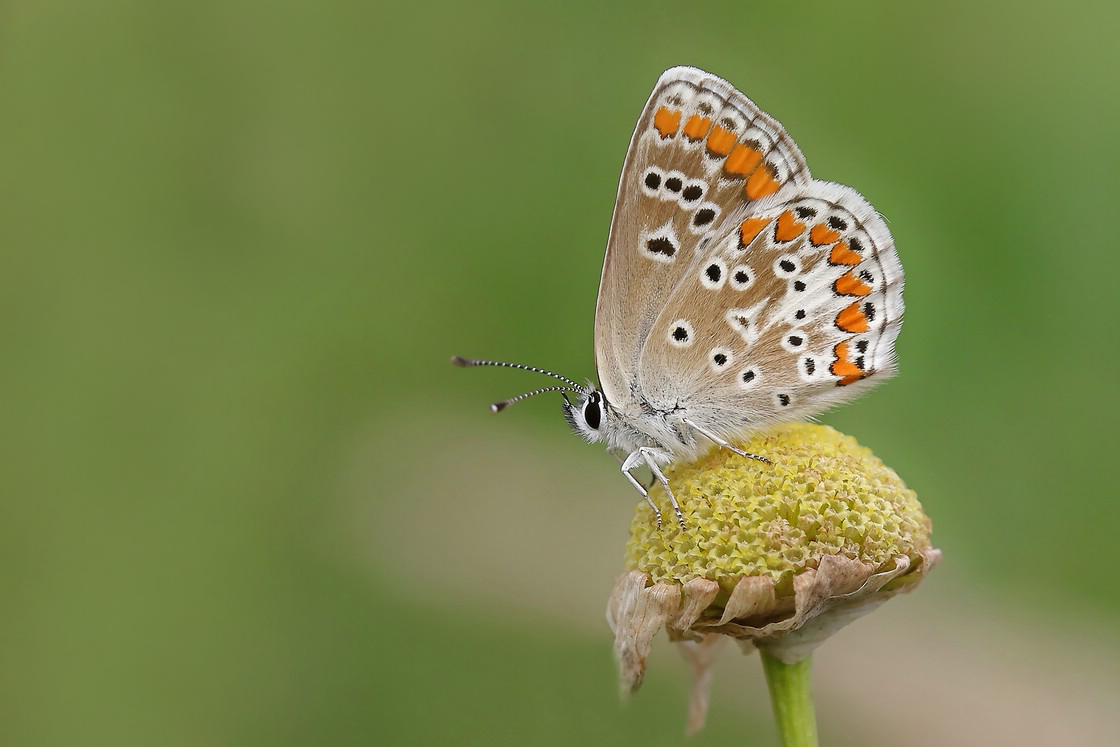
pixel 665 431
pixel 634 424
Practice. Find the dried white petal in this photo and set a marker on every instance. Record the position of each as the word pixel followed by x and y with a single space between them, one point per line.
pixel 635 615
pixel 698 594
pixel 702 656
pixel 753 595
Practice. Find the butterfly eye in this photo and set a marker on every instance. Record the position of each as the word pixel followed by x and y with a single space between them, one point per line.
pixel 592 414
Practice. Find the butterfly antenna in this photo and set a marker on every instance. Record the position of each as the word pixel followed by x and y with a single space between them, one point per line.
pixel 466 362
pixel 499 406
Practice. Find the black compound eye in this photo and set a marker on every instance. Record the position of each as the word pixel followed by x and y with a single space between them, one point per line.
pixel 592 415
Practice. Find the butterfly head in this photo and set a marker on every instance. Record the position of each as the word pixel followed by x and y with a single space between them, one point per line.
pixel 588 415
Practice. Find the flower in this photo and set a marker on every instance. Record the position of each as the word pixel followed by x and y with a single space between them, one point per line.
pixel 778 556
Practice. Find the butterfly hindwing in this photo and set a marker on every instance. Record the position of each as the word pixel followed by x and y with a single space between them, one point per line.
pixel 701 153
pixel 793 308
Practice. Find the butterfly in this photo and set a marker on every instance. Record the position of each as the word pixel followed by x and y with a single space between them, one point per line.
pixel 738 292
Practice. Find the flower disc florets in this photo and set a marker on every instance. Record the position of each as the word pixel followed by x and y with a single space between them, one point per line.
pixel 824 495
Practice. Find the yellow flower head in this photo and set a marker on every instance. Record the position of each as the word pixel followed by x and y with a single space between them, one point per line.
pixel 776 555
pixel 823 495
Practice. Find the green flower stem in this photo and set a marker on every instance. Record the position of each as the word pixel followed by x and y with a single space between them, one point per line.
pixel 791 694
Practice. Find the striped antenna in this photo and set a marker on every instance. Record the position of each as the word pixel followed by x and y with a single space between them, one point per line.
pixel 467 362
pixel 499 406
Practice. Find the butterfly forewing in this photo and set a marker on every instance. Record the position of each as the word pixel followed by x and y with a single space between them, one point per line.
pixel 701 153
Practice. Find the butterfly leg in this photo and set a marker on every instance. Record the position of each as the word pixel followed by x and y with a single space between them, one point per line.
pixel 644 487
pixel 651 457
pixel 716 439
pixel 645 494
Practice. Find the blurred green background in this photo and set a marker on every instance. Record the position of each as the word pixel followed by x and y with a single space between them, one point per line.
pixel 245 499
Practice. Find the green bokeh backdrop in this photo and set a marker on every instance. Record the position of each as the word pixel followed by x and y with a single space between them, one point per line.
pixel 241 239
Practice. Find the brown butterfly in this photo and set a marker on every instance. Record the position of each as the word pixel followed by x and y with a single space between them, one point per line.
pixel 738 292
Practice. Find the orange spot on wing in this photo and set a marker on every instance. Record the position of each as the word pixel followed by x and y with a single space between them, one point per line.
pixel 842 255
pixel 852 319
pixel 667 121
pixel 697 127
pixel 851 379
pixel 822 234
pixel 742 160
pixel 788 227
pixel 844 367
pixel 750 229
pixel 720 141
pixel 762 183
pixel 849 285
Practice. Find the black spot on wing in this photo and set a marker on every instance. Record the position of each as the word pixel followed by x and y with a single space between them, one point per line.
pixel 703 217
pixel 661 245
